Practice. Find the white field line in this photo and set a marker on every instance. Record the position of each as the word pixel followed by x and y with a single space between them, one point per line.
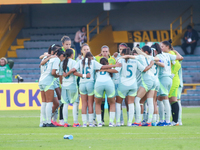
pixel 97 133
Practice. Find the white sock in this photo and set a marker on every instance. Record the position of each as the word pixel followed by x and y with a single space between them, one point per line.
pixel 151 109
pixel 91 116
pixel 141 117
pixel 138 109
pixel 121 116
pixel 75 112
pixel 118 112
pixel 65 112
pixel 98 118
pixel 43 113
pixel 167 110
pixel 180 112
pixel 94 114
pixel 145 116
pixel 49 111
pixel 112 117
pixel 161 110
pixel 55 115
pixel 157 117
pixel 84 118
pixel 154 118
pixel 130 112
pixel 87 114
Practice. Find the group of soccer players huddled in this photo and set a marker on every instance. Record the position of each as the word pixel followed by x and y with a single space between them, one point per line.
pixel 145 78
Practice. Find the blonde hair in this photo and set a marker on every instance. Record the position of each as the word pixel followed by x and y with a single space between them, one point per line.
pixel 140 52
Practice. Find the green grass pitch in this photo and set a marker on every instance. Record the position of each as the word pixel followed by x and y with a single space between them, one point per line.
pixel 20 130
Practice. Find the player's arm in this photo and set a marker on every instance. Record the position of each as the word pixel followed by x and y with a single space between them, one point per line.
pixel 149 66
pixel 47 59
pixel 82 75
pixel 160 64
pixel 45 54
pixel 109 70
pixel 53 72
pixel 69 72
pixel 178 56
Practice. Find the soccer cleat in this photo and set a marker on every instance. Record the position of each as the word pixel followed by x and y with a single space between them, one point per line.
pixel 55 123
pixel 84 125
pixel 167 124
pixel 66 125
pixel 74 125
pixel 41 125
pixel 154 124
pixel 94 122
pixel 103 124
pixel 180 123
pixel 118 124
pixel 78 125
pixel 50 125
pixel 160 123
pixel 136 124
pixel 122 123
pixel 147 124
pixel 129 124
pixel 143 122
pixel 111 124
pixel 100 125
pixel 61 122
pixel 91 125
pixel 174 124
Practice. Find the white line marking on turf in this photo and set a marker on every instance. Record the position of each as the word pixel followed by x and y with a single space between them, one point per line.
pixel 95 133
pixel 19 116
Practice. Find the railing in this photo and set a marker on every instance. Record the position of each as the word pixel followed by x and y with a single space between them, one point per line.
pixel 98 24
pixel 193 85
pixel 11 19
pixel 181 21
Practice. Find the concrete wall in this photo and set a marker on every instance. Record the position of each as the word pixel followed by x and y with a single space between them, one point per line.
pixel 131 16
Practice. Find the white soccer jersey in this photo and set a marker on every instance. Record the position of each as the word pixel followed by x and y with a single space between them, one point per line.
pixel 128 71
pixel 46 77
pixel 94 65
pixel 66 81
pixel 166 58
pixel 145 62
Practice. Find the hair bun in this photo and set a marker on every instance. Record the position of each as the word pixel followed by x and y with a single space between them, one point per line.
pixel 170 41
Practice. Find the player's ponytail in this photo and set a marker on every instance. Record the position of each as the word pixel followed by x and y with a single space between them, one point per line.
pixel 53 48
pixel 139 52
pixel 126 51
pixel 88 55
pixel 68 54
pixel 156 46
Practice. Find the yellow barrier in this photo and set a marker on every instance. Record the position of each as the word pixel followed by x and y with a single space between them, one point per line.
pixel 21 96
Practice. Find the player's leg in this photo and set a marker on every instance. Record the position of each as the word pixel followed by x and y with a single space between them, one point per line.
pixel 49 94
pixel 43 110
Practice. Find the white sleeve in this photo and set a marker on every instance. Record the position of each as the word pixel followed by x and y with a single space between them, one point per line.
pixel 77 66
pixel 61 68
pixel 97 66
pixel 56 64
pixel 172 57
pixel 140 66
pixel 119 68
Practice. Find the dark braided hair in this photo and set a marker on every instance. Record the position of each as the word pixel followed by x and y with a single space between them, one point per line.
pixel 157 48
pixel 126 51
pixel 68 53
pixel 104 61
pixel 88 55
